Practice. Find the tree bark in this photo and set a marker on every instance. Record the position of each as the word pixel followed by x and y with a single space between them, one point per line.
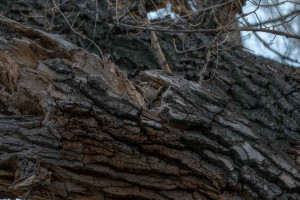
pixel 73 126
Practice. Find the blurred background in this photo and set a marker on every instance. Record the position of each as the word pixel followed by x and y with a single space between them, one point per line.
pixel 282 15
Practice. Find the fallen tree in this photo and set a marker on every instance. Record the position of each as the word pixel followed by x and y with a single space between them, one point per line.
pixel 73 126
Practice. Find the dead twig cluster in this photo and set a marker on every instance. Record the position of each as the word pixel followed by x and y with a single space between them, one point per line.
pixel 218 17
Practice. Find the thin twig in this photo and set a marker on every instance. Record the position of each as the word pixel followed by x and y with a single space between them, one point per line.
pixel 76 32
pixel 288 35
pixel 154 40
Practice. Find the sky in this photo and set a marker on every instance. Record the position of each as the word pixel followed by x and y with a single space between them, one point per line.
pixel 278 43
pixel 250 41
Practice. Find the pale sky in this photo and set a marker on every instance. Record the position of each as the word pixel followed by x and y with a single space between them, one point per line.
pixel 278 43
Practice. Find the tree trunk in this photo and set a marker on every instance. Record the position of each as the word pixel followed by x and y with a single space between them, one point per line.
pixel 73 126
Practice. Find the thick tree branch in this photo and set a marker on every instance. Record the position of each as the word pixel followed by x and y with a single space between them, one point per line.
pixel 73 126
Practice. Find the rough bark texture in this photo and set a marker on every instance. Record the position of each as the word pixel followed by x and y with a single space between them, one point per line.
pixel 72 126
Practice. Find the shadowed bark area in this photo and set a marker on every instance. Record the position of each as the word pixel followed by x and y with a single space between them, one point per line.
pixel 73 126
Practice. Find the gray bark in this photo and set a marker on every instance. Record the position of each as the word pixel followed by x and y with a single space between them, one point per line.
pixel 72 126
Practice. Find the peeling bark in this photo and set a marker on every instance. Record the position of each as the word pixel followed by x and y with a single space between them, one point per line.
pixel 73 126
